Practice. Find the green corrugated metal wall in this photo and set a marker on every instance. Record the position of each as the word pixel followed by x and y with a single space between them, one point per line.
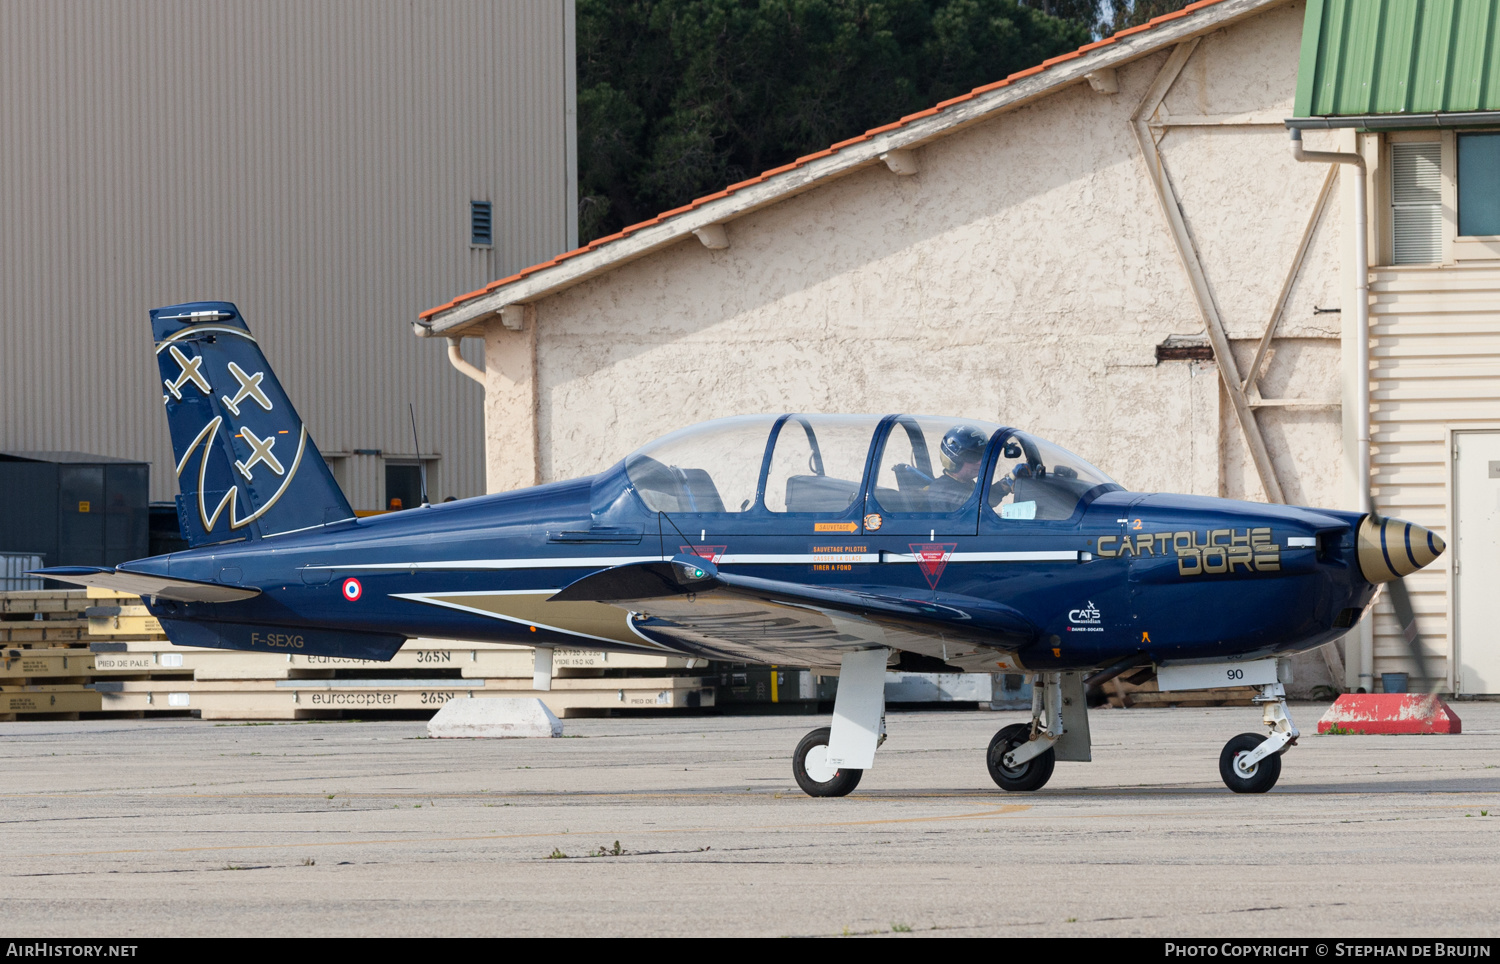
pixel 1399 56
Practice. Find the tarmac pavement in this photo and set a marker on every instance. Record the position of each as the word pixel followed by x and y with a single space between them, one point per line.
pixel 157 828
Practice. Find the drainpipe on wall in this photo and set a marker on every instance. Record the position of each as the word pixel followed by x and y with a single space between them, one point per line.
pixel 459 362
pixel 1362 351
pixel 456 359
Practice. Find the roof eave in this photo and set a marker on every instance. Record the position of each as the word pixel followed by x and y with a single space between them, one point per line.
pixel 585 263
pixel 1378 122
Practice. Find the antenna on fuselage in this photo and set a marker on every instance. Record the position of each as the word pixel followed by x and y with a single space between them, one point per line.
pixel 411 408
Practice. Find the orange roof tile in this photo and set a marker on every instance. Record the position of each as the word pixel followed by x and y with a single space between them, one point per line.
pixel 832 149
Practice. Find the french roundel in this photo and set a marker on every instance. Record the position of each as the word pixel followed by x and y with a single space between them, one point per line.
pixel 353 590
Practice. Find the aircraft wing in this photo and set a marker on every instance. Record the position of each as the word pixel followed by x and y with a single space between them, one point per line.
pixel 689 603
pixel 146 584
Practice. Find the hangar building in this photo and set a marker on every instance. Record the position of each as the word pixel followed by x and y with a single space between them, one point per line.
pixel 332 166
pixel 1115 249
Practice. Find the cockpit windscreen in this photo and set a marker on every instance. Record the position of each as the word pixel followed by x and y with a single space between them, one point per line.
pixel 1035 479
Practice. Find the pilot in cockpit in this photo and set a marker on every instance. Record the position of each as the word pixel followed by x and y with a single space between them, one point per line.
pixel 962 453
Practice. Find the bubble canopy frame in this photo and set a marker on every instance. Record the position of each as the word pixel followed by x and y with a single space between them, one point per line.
pixel 764 467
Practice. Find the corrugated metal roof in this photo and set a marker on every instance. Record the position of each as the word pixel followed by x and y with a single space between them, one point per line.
pixel 1124 35
pixel 1398 57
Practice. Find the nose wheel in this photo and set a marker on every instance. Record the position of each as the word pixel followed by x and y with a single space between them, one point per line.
pixel 1254 778
pixel 1251 763
pixel 815 775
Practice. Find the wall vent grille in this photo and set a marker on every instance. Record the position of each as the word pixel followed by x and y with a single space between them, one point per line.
pixel 481 231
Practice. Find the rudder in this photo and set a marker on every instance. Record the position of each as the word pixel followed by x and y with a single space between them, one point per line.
pixel 246 465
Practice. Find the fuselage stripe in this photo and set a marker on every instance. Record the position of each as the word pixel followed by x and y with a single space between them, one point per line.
pixel 751 559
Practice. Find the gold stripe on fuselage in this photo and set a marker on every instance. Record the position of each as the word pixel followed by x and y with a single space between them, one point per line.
pixel 595 619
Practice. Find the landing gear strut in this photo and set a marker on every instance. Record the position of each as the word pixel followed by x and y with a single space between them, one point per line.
pixel 830 760
pixel 1251 763
pixel 1021 756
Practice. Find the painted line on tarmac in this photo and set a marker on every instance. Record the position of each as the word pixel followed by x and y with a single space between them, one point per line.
pixel 1000 812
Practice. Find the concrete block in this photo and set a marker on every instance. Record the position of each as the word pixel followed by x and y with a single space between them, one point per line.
pixel 494 717
pixel 1384 713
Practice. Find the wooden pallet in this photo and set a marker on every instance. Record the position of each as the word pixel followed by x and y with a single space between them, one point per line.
pixel 307 699
pixel 1227 696
pixel 90 651
pixel 17 664
pixel 51 699
pixel 418 656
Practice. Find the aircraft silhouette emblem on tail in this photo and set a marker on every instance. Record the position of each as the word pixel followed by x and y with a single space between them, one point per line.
pixel 260 451
pixel 189 373
pixel 249 388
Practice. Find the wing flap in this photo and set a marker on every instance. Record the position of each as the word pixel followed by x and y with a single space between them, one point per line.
pixel 145 584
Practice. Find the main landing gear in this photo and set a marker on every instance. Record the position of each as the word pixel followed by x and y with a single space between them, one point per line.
pixel 1251 763
pixel 830 760
pixel 1021 756
pixel 815 775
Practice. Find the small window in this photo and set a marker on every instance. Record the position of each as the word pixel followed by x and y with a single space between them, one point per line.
pixel 481 231
pixel 403 485
pixel 1416 202
pixel 1479 185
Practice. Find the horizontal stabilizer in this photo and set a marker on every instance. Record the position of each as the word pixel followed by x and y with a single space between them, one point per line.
pixel 144 584
pixel 282 640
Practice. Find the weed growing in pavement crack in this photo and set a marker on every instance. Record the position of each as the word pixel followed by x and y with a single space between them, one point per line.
pixel 604 851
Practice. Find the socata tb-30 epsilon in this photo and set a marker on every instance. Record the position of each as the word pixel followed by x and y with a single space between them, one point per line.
pixel 847 543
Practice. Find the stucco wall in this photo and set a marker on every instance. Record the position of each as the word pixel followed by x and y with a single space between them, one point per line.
pixel 1024 276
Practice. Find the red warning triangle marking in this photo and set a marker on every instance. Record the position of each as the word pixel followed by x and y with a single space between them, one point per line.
pixel 932 559
pixel 711 553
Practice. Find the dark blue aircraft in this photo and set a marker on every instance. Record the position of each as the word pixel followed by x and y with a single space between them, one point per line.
pixel 852 544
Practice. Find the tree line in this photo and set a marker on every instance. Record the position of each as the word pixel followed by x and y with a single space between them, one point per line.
pixel 678 98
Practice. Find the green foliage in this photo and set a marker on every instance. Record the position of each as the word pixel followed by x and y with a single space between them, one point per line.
pixel 1105 17
pixel 1133 13
pixel 679 98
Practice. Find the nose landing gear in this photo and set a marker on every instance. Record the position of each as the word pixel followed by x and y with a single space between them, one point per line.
pixel 1251 763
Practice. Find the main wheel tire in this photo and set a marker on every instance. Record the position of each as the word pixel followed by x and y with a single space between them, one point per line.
pixel 814 775
pixel 1260 779
pixel 1031 775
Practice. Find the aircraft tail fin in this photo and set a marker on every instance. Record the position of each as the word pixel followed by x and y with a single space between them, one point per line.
pixel 246 466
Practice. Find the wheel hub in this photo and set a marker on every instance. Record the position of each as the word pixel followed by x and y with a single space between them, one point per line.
pixel 817 766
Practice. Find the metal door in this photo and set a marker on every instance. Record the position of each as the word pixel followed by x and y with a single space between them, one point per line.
pixel 1476 561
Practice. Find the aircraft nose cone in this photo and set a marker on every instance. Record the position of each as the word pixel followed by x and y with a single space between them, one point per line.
pixel 1392 548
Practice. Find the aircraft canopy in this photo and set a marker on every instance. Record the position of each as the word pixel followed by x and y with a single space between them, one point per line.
pixel 824 464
